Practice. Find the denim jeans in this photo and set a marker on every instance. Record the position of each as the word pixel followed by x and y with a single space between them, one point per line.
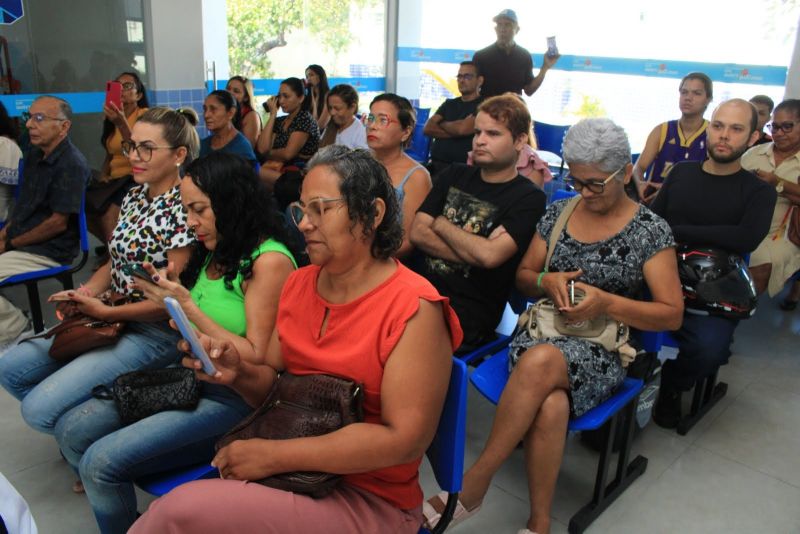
pixel 109 456
pixel 704 344
pixel 48 389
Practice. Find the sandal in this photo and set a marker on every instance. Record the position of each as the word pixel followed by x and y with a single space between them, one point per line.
pixel 788 305
pixel 432 517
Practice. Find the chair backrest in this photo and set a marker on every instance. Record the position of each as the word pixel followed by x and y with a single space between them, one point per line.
pixel 550 137
pixel 561 194
pixel 420 146
pixel 446 453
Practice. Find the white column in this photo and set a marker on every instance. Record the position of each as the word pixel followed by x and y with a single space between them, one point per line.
pixel 793 76
pixel 175 43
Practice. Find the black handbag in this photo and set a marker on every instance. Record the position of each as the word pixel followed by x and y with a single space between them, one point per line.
pixel 140 394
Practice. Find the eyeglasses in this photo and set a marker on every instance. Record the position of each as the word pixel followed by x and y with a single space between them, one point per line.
pixel 596 186
pixel 145 152
pixel 39 117
pixel 465 76
pixel 382 120
pixel 127 86
pixel 786 126
pixel 314 209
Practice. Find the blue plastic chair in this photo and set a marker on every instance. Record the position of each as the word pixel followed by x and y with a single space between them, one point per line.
pixel 550 137
pixel 420 147
pixel 446 452
pixel 562 194
pixel 490 378
pixel 63 273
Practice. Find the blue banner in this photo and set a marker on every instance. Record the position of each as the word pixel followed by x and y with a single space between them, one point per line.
pixel 270 86
pixel 661 68
pixel 93 102
pixel 11 11
pixel 80 102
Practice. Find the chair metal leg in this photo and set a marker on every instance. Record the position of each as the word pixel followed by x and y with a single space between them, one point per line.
pixel 66 281
pixel 626 473
pixel 707 393
pixel 36 308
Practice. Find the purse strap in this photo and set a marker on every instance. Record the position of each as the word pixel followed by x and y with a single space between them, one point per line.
pixel 561 223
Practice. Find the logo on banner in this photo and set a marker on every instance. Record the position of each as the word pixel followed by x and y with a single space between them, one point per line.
pixel 11 11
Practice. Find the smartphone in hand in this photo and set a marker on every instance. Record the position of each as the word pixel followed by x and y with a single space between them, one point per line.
pixel 552 49
pixel 114 94
pixel 137 270
pixel 187 331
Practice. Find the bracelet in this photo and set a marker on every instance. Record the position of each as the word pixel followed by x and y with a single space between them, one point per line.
pixel 539 279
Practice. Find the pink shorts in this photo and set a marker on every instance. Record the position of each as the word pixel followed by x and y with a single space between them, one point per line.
pixel 233 506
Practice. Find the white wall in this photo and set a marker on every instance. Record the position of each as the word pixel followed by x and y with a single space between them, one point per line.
pixel 793 76
pixel 175 43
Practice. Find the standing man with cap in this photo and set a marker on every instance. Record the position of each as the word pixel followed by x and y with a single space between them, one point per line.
pixel 506 66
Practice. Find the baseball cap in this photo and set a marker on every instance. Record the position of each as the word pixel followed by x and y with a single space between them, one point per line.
pixel 507 14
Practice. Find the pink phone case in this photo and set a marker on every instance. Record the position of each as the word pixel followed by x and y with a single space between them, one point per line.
pixel 114 94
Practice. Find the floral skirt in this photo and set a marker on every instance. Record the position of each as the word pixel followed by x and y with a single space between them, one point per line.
pixel 594 373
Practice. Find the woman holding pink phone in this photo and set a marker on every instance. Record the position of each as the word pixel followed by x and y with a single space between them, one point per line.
pixel 126 101
pixel 229 289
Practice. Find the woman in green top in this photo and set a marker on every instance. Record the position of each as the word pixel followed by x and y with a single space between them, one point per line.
pixel 235 275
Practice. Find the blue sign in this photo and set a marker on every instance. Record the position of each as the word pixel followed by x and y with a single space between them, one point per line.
pixel 11 10
pixel 724 72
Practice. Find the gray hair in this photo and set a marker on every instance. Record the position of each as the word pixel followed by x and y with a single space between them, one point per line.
pixel 362 179
pixel 63 105
pixel 598 142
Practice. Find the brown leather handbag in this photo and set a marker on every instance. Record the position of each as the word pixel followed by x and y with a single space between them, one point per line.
pixel 302 406
pixel 81 333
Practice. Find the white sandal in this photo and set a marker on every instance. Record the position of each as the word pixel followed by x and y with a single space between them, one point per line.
pixel 460 514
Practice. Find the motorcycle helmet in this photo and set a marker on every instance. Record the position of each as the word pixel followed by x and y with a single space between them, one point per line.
pixel 716 282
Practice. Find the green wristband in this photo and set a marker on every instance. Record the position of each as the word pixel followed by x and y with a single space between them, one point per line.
pixel 539 280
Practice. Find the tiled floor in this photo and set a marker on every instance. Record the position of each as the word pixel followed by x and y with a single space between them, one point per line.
pixel 738 470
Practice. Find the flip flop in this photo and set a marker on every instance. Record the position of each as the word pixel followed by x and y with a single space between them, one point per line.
pixel 432 517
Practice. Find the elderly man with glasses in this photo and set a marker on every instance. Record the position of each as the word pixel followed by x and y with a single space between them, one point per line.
pixel 777 258
pixel 453 123
pixel 42 230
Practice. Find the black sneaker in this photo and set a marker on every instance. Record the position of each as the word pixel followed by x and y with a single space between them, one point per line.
pixel 667 412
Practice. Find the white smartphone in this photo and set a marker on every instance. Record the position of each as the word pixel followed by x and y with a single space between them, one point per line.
pixel 185 328
pixel 552 49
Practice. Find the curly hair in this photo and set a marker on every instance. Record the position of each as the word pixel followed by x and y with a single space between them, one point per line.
pixel 597 141
pixel 363 180
pixel 245 212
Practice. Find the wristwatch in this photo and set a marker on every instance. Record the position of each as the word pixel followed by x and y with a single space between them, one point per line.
pixel 779 186
pixel 9 246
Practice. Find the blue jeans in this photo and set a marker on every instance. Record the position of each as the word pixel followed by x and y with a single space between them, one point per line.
pixel 48 389
pixel 109 456
pixel 704 344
